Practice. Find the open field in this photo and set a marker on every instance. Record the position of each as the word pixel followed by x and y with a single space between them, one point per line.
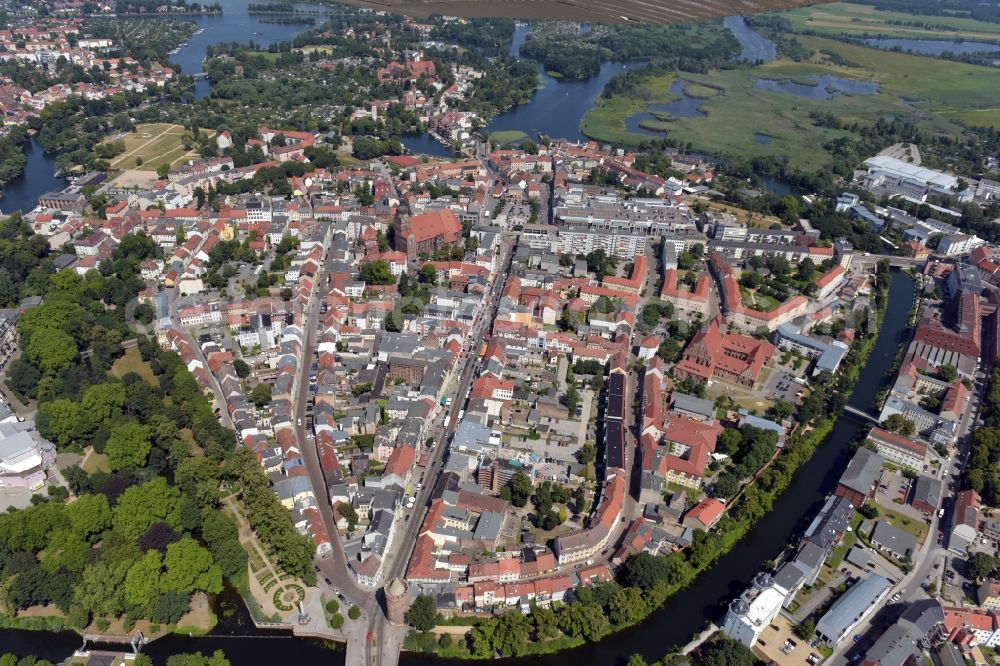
pixel 933 93
pixel 131 361
pixel 861 20
pixel 154 144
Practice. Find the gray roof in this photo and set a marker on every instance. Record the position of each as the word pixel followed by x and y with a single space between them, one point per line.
pixel 928 490
pixel 690 403
pixel 858 556
pixel 861 473
pixel 488 527
pixel 853 604
pixel 789 576
pixel 892 538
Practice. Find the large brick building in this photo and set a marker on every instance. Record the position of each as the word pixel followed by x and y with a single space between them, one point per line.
pixel 728 357
pixel 429 232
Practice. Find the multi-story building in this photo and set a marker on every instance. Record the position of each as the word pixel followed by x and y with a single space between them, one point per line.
pixel 899 449
pixel 750 614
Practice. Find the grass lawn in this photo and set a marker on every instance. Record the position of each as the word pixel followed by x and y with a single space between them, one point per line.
pixel 859 20
pixel 95 462
pixel 508 136
pixel 850 538
pixel 757 301
pixel 131 361
pixel 914 526
pixel 605 121
pixel 154 144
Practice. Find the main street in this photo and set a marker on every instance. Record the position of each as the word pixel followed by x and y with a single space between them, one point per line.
pixel 386 641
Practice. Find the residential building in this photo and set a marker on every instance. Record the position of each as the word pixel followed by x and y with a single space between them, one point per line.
pixel 859 480
pixel 851 609
pixel 899 449
pixel 750 614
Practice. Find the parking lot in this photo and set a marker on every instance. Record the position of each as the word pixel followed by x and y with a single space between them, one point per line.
pixel 779 645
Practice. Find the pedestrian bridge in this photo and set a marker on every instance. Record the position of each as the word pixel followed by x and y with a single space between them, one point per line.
pixel 858 414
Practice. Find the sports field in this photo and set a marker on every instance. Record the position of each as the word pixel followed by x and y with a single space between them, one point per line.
pixel 152 145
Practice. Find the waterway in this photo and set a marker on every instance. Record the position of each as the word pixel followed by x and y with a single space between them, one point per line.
pixel 558 107
pixel 687 612
pixel 755 47
pixel 934 47
pixel 819 87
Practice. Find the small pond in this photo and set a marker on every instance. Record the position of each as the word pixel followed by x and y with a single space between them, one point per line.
pixel 684 107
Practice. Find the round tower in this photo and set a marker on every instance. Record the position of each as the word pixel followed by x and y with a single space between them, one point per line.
pixel 397 601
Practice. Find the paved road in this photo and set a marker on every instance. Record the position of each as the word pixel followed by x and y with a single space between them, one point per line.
pixel 175 319
pixel 386 639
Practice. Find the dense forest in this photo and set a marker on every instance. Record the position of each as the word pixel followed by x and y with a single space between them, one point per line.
pixel 140 538
pixel 564 49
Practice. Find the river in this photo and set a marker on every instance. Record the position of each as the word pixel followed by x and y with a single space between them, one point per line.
pixel 755 47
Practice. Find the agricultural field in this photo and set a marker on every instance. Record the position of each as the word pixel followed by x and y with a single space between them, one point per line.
pixel 923 89
pixel 152 145
pixel 843 18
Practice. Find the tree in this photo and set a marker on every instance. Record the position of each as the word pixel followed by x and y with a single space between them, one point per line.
pixel 190 568
pixel 61 421
pixel 261 394
pixel 546 622
pixel 584 620
pixel 520 489
pixel 428 274
pixel 627 606
pixel 669 350
pixel 52 350
pixel 22 377
pixel 89 515
pixel 103 401
pixel 571 398
pixel 170 607
pixel 724 652
pixel 142 505
pixel 730 440
pixel 128 446
pixel 868 510
pixel 982 565
pixel 510 637
pixel 218 658
pixel 241 367
pixel 162 171
pixel 377 272
pixel 587 454
pixel 900 424
pixel 805 629
pixel 142 582
pixel 354 613
pixel 947 372
pixel 349 514
pixel 422 614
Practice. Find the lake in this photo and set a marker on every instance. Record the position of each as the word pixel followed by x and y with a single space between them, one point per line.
pixel 822 87
pixel 756 47
pixel 934 47
pixel 558 107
